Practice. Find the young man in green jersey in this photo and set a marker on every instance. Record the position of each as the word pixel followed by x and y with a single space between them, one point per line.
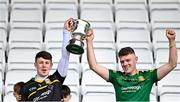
pixel 131 84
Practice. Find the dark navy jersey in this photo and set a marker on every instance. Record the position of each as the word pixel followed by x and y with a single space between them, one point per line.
pixel 47 90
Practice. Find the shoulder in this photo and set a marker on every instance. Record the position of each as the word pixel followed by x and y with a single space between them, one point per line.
pixel 115 72
pixel 148 71
pixel 151 74
pixel 56 76
pixel 29 83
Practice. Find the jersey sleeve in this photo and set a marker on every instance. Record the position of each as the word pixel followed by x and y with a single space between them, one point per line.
pixel 57 76
pixel 23 95
pixel 154 75
pixel 64 61
pixel 112 75
pixel 24 92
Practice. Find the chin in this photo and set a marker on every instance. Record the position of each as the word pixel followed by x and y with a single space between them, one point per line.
pixel 128 72
pixel 43 75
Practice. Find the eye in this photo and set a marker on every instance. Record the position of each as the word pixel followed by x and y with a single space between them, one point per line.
pixel 127 60
pixel 121 61
pixel 47 62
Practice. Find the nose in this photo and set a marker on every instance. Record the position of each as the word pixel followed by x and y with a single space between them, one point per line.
pixel 44 65
pixel 125 63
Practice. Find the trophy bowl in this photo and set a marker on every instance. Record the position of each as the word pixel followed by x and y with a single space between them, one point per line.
pixel 78 34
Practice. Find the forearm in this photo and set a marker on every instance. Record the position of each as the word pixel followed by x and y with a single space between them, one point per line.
pixel 90 55
pixel 100 70
pixel 172 54
pixel 172 63
pixel 64 61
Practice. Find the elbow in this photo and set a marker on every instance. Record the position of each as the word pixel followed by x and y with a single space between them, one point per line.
pixel 173 65
pixel 92 66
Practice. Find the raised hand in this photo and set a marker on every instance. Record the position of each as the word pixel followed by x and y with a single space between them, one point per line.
pixel 90 34
pixel 171 34
pixel 69 24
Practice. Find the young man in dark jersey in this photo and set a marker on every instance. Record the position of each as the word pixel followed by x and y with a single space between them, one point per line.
pixel 132 85
pixel 45 87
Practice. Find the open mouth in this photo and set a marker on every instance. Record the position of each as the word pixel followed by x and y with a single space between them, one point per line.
pixel 44 70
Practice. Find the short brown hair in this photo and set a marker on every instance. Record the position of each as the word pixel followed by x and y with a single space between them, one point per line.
pixel 65 91
pixel 18 86
pixel 43 54
pixel 125 51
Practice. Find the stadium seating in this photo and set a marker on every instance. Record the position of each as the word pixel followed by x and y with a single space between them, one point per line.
pixel 25 38
pixel 72 80
pixel 57 13
pixel 168 87
pixel 25 14
pixel 97 13
pixel 132 17
pixel 104 38
pixel 21 59
pixel 161 57
pixel 4 12
pixel 96 2
pixel 160 40
pixel 1 87
pixel 137 37
pixel 53 38
pixel 163 5
pixel 2 63
pixel 92 83
pixel 14 76
pixel 106 57
pixel 99 97
pixel 9 98
pixel 130 4
pixel 61 1
pixel 29 26
pixel 165 16
pixel 3 38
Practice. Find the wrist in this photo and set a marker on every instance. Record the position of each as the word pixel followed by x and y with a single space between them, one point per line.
pixel 65 30
pixel 172 45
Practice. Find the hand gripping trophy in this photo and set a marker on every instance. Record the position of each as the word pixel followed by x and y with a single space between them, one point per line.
pixel 78 35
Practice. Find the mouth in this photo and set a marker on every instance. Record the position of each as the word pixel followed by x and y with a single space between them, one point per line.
pixel 127 67
pixel 44 70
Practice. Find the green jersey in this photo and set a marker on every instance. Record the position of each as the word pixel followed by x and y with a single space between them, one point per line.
pixel 133 88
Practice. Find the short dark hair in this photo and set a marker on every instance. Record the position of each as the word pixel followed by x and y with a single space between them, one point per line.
pixel 65 90
pixel 43 54
pixel 18 86
pixel 125 51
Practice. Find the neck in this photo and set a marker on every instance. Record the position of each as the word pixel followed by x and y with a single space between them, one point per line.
pixel 133 72
pixel 38 77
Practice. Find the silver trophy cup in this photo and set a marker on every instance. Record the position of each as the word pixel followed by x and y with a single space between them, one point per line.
pixel 76 44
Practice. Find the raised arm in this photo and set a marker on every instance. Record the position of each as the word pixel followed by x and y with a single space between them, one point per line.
pixel 64 61
pixel 100 70
pixel 172 63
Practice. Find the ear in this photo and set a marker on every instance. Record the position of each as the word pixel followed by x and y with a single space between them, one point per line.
pixel 51 64
pixel 35 65
pixel 136 58
pixel 14 94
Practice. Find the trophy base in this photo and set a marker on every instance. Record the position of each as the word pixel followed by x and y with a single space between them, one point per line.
pixel 75 49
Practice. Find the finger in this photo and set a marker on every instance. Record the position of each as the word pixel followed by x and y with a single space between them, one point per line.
pixel 90 31
pixel 171 32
